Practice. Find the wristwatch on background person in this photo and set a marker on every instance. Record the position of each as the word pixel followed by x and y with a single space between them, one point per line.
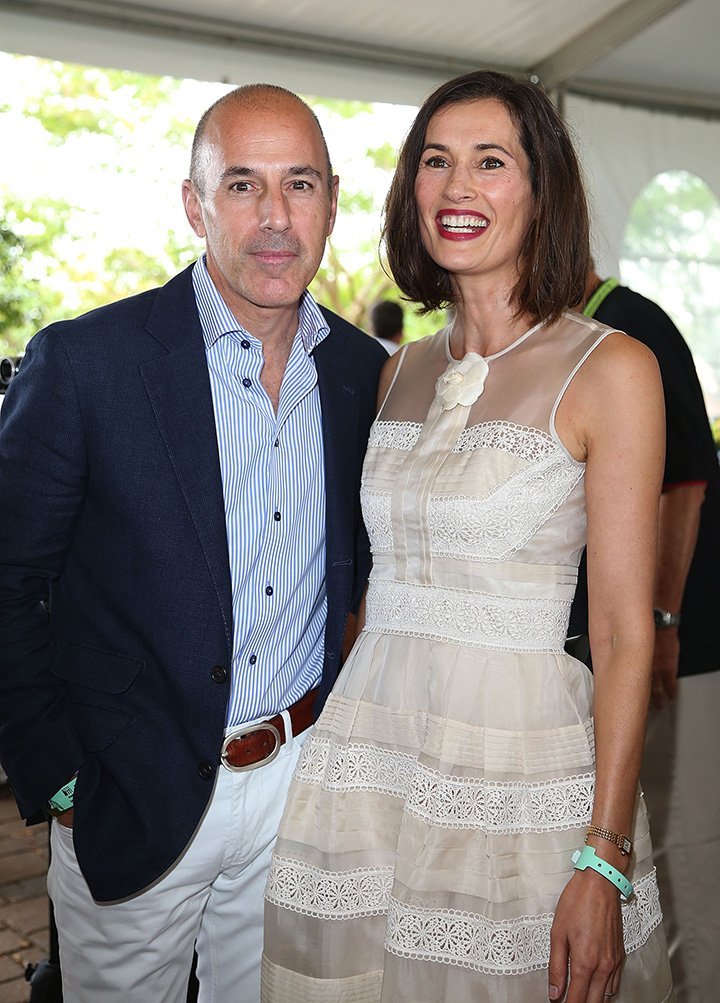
pixel 664 618
pixel 64 799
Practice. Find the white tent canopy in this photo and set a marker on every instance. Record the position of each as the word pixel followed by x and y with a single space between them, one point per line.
pixel 639 80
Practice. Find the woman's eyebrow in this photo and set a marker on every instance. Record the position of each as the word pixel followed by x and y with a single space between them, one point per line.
pixel 480 147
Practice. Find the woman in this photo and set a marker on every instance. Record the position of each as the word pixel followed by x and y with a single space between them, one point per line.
pixel 426 852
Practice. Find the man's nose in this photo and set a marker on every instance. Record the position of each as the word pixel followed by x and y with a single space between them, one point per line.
pixel 274 213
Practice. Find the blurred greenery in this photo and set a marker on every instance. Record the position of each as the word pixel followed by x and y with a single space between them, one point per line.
pixel 52 264
pixel 351 292
pixel 28 233
pixel 345 109
pixel 78 99
pixel 671 253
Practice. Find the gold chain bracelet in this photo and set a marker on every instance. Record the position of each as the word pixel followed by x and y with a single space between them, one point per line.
pixel 622 842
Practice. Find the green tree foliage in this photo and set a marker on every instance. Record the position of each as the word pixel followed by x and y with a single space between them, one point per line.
pixel 671 253
pixel 52 264
pixel 56 257
pixel 28 232
pixel 85 99
pixel 352 278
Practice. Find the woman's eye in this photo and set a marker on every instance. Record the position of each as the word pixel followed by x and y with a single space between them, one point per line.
pixel 436 162
pixel 491 163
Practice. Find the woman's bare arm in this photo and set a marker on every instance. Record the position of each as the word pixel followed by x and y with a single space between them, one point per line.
pixel 613 417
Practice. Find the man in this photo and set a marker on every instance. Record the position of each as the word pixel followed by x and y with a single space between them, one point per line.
pixel 679 774
pixel 386 324
pixel 181 543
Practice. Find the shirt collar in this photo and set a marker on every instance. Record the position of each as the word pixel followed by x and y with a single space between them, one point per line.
pixel 217 320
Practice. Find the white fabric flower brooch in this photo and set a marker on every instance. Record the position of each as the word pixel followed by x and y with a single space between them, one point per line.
pixel 462 382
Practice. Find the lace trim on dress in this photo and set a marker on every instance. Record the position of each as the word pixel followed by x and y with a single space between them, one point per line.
pixel 493 807
pixel 530 444
pixel 449 936
pixel 354 767
pixel 492 527
pixel 394 434
pixel 364 891
pixel 464 616
pixel 468 939
pixel 509 947
pixel 376 509
pixel 489 529
pixel 447 801
pixel 495 527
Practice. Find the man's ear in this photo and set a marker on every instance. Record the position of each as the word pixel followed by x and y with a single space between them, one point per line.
pixel 193 208
pixel 333 203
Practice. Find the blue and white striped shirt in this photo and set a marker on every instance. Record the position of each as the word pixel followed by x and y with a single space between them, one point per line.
pixel 274 487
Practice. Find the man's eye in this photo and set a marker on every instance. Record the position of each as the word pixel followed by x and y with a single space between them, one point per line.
pixel 491 163
pixel 299 185
pixel 240 186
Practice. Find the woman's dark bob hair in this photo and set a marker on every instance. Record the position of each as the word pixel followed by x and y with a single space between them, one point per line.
pixel 555 256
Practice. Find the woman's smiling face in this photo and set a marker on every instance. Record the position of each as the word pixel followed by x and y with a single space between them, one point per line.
pixel 473 191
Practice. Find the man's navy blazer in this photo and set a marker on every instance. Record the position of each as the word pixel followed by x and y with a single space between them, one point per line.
pixel 115 598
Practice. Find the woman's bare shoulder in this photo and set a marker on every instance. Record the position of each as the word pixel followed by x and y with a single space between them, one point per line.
pixel 617 388
pixel 619 364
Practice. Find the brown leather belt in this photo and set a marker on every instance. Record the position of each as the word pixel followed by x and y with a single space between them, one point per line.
pixel 258 744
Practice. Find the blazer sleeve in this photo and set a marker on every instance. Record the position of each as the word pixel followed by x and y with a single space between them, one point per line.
pixel 43 479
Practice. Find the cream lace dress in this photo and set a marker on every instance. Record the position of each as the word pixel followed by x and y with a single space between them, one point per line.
pixel 438 801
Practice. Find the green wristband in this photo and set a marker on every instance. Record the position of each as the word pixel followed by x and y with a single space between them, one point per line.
pixel 64 799
pixel 586 857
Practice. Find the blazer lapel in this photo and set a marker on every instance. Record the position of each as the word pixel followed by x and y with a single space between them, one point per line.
pixel 178 385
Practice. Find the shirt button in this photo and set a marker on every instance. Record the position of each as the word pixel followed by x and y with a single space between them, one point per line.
pixel 268 590
pixel 277 517
pixel 218 674
pixel 252 659
pixel 244 344
pixel 247 382
pixel 205 770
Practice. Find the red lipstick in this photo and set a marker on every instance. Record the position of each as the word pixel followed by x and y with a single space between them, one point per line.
pixel 461 224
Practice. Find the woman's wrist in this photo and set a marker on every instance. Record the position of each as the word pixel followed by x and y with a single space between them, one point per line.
pixel 609 852
pixel 611 844
pixel 587 859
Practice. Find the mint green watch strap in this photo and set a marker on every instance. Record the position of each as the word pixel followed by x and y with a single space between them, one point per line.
pixel 587 857
pixel 64 799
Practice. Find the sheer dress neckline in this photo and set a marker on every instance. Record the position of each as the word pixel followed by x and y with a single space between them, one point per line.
pixel 496 355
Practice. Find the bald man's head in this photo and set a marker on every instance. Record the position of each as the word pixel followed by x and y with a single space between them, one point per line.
pixel 249 97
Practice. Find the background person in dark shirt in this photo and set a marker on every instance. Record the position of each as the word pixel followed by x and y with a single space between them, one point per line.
pixel 387 324
pixel 679 774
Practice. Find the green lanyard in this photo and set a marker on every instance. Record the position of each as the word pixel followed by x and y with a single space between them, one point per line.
pixel 593 304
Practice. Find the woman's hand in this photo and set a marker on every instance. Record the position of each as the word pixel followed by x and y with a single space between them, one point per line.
pixel 586 938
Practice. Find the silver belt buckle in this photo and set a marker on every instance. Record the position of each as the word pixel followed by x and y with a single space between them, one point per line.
pixel 261 726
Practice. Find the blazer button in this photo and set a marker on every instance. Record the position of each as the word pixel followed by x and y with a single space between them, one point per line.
pixel 205 770
pixel 218 674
